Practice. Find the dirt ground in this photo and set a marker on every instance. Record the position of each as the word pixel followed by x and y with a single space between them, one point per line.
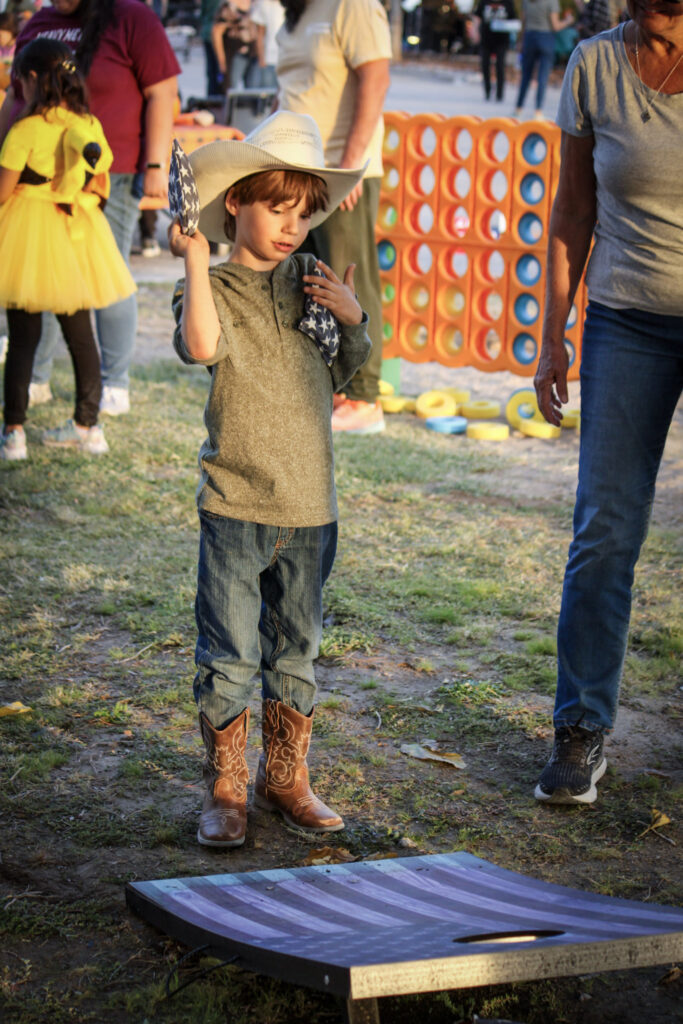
pixel 135 951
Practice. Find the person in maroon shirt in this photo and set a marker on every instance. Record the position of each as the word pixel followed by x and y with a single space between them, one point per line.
pixel 130 68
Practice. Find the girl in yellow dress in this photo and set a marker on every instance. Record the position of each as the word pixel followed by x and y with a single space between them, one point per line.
pixel 57 252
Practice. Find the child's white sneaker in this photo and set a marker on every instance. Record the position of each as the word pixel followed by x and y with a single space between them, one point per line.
pixel 114 401
pixel 90 440
pixel 39 393
pixel 13 445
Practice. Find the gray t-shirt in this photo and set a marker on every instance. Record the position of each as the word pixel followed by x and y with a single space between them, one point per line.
pixel 537 14
pixel 637 259
pixel 268 456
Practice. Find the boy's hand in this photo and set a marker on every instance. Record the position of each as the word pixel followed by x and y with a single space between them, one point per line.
pixel 337 296
pixel 196 245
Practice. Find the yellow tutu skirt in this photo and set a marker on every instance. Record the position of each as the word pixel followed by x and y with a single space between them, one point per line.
pixel 54 262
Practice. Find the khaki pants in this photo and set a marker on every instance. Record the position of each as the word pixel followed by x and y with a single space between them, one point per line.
pixel 349 237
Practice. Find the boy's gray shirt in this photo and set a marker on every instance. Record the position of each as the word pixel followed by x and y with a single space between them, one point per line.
pixel 268 457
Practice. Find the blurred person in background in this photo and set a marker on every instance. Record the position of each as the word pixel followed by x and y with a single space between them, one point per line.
pixel 130 68
pixel 333 63
pixel 541 20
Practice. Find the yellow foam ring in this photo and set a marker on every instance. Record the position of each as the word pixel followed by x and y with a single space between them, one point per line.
pixel 480 409
pixel 385 388
pixel 571 418
pixel 387 215
pixel 434 403
pixel 544 430
pixel 451 301
pixel 460 395
pixel 397 403
pixel 450 341
pixel 418 297
pixel 488 431
pixel 417 335
pixel 522 405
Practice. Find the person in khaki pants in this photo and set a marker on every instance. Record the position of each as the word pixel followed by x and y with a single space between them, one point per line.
pixel 333 64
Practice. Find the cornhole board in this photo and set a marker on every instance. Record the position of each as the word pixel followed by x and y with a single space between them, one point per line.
pixel 414 924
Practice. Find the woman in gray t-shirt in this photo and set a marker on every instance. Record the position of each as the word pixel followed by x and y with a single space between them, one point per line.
pixel 621 114
pixel 541 21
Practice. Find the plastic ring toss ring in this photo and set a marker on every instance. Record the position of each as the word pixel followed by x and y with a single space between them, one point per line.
pixel 522 405
pixel 459 394
pixel 447 424
pixel 480 409
pixel 534 428
pixel 435 403
pixel 571 418
pixel 488 431
pixel 397 403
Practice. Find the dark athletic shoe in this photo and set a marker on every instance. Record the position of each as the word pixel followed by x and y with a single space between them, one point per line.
pixel 575 765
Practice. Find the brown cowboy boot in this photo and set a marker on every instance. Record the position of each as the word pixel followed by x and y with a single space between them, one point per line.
pixel 223 821
pixel 282 777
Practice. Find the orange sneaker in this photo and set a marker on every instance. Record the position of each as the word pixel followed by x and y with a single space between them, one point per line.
pixel 356 417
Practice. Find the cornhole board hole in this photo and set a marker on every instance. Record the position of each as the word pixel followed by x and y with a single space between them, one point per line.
pixel 415 924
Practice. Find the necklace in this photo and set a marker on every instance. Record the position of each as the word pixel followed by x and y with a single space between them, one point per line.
pixel 645 115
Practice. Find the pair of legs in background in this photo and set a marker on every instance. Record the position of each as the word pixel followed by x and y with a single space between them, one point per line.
pixel 348 236
pixel 538 50
pixel 631 382
pixel 116 325
pixel 24 336
pixel 498 49
pixel 259 609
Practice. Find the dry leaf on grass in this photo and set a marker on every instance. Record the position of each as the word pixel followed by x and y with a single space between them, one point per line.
pixel 428 750
pixel 15 708
pixel 657 820
pixel 328 855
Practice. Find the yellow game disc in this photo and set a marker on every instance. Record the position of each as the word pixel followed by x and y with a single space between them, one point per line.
pixel 488 431
pixel 480 409
pixel 544 430
pixel 435 403
pixel 571 418
pixel 522 405
pixel 397 403
pixel 385 388
pixel 459 394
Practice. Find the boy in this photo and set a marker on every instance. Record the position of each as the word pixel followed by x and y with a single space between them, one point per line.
pixel 266 496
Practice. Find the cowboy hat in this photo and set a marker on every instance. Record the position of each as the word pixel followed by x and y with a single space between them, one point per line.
pixel 284 141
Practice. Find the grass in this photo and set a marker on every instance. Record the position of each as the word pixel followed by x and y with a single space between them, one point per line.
pixel 440 622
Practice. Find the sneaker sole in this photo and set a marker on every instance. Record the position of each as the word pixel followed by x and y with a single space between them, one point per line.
pixel 372 428
pixel 563 796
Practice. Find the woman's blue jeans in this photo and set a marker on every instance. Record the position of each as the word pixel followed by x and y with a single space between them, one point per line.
pixel 117 324
pixel 258 608
pixel 537 48
pixel 631 381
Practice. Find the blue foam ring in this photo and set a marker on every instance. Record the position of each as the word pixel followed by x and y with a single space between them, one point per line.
pixel 528 270
pixel 532 188
pixel 534 149
pixel 386 254
pixel 524 349
pixel 447 424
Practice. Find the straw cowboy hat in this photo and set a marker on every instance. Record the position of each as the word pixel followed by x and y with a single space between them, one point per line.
pixel 284 141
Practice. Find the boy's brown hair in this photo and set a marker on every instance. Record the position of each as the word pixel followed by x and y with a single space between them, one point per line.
pixel 277 186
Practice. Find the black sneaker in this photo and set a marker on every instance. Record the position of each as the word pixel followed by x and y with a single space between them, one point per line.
pixel 575 765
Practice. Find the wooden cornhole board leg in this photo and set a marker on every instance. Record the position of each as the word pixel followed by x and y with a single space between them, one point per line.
pixel 361 1011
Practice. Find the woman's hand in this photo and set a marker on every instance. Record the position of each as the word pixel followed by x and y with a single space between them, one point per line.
pixel 155 183
pixel 550 381
pixel 337 296
pixel 194 246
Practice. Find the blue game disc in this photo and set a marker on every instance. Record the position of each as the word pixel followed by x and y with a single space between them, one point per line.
pixel 447 424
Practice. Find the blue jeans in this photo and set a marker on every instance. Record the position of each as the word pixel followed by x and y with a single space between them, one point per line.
pixel 258 607
pixel 631 381
pixel 537 48
pixel 117 324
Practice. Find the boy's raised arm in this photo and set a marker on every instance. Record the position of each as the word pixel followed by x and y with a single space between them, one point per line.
pixel 199 324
